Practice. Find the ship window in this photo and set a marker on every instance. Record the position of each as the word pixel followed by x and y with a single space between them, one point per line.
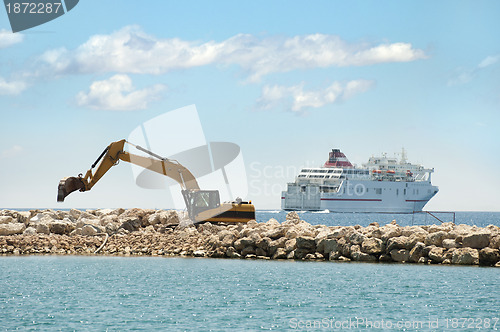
pixel 378 191
pixel 397 191
pixel 404 193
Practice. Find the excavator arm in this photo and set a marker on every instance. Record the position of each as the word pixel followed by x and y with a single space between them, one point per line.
pixel 202 205
pixel 112 155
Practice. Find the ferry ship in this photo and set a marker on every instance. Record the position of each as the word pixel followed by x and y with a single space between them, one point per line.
pixel 382 185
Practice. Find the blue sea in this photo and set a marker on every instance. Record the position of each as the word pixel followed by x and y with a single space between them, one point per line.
pixel 90 293
pixel 480 219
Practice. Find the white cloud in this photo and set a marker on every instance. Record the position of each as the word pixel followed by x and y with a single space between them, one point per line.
pixel 488 61
pixel 130 50
pixel 12 87
pixel 12 152
pixel 463 75
pixel 117 93
pixel 8 38
pixel 296 99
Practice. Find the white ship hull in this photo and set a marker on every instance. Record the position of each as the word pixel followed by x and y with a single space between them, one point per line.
pixel 361 196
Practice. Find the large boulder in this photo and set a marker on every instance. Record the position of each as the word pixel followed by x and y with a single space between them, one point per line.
pixel 436 238
pixel 495 242
pixel 290 245
pixel 390 231
pixel 130 224
pixel 450 243
pixel 8 216
pixel 42 228
pixel 400 255
pixel 489 256
pixel 459 231
pixel 301 253
pixel 263 243
pixel 6 220
pixel 362 257
pixel 291 218
pixel 245 242
pixel 89 230
pixel 465 256
pixel 356 238
pixel 418 236
pixel 280 254
pixel 29 231
pixel 250 250
pixel 11 229
pixel 169 217
pixel 275 232
pixel 437 254
pixel 75 214
pixel 306 242
pixel 417 252
pixel 476 240
pixel 372 246
pixel 399 242
pixel 338 233
pixel 103 212
pixel 374 231
pixel 325 246
pixel 64 226
pixel 276 244
pixel 305 229
pixel 227 238
pixel 410 230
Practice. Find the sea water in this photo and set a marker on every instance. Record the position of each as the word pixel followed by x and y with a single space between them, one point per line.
pixel 90 293
pixel 201 294
pixel 480 219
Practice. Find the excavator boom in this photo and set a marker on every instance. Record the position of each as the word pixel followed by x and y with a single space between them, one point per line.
pixel 112 155
pixel 201 204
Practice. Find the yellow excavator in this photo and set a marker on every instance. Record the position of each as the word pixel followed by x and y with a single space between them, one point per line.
pixel 202 205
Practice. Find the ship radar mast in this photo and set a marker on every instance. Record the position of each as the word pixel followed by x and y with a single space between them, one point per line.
pixel 403 156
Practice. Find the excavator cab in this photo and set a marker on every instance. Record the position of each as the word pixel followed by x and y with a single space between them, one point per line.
pixel 198 201
pixel 205 205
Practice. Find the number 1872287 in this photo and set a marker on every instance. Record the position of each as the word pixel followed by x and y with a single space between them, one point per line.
pixel 33 7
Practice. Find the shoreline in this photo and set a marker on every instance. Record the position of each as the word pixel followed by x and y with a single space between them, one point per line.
pixel 146 232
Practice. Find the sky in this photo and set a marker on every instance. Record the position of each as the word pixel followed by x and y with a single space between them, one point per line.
pixel 287 81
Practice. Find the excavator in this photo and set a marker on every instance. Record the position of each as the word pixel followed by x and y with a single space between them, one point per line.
pixel 202 205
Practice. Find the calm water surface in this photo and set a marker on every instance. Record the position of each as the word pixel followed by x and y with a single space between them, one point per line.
pixel 147 293
pixel 481 219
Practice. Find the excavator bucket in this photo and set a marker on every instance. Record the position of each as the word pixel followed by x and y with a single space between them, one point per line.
pixel 67 186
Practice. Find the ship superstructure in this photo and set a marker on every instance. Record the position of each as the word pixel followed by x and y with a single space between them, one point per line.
pixel 383 184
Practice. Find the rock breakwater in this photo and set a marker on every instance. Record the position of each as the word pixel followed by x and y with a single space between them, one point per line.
pixel 156 233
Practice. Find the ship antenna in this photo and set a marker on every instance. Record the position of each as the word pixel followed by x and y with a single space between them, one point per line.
pixel 403 156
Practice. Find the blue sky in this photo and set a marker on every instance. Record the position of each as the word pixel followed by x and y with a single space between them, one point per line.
pixel 285 80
